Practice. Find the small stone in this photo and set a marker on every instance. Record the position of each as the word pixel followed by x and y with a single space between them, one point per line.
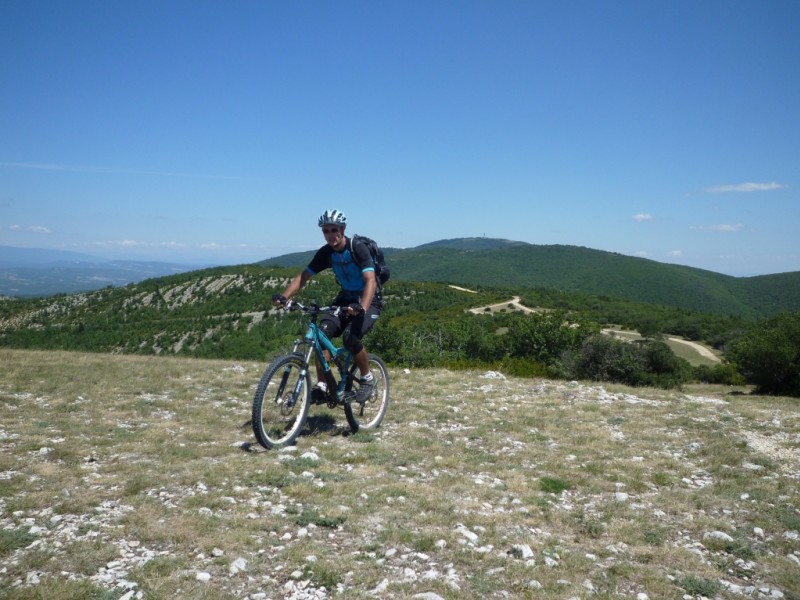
pixel 240 564
pixel 717 535
pixel 470 535
pixel 522 551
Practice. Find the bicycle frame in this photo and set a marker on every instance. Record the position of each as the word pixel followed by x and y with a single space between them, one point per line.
pixel 318 342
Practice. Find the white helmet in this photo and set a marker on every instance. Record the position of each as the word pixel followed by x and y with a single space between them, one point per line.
pixel 332 217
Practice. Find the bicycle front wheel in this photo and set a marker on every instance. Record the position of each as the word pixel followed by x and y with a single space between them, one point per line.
pixel 367 415
pixel 281 401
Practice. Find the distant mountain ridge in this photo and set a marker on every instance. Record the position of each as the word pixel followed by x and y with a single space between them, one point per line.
pixel 472 243
pixel 26 272
pixel 469 262
pixel 12 256
pixel 506 263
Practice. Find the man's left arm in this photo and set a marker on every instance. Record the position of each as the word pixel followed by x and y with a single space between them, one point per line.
pixel 370 286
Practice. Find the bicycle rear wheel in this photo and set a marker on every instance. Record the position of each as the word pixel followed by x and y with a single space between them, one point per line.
pixel 281 401
pixel 367 416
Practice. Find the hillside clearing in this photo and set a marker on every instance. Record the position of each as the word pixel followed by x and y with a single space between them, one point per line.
pixel 694 352
pixel 125 477
pixel 703 351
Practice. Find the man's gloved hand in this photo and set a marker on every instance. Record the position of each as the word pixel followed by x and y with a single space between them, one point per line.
pixel 279 300
pixel 357 309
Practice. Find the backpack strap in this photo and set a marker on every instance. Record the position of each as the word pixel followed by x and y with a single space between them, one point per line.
pixel 352 251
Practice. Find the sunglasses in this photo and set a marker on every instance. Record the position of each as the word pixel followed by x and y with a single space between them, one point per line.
pixel 327 230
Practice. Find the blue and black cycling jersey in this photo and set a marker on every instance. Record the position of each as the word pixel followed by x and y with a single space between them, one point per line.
pixel 347 268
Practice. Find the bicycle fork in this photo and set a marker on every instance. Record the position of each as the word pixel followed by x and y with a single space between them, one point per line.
pixel 288 405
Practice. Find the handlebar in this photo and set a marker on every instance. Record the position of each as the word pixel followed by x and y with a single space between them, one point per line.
pixel 311 309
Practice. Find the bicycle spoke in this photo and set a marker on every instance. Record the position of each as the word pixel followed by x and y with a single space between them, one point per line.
pixel 368 415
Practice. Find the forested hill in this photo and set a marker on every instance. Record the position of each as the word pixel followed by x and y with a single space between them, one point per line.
pixel 504 263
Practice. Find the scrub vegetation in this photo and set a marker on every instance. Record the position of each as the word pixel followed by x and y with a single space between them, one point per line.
pixel 225 313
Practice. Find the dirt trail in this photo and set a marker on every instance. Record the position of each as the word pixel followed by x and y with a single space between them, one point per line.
pixel 513 304
pixel 461 289
pixel 699 348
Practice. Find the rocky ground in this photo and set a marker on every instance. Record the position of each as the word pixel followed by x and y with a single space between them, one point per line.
pixel 477 486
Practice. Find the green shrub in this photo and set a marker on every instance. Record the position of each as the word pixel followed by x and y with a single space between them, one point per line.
pixel 769 355
pixel 11 539
pixel 726 374
pixel 553 485
pixel 647 363
pixel 699 587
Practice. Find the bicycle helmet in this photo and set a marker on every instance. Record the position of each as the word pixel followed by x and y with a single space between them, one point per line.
pixel 332 217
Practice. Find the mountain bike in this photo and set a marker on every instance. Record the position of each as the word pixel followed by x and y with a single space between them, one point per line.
pixel 283 396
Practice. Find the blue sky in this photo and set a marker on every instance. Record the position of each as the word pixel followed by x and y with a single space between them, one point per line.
pixel 216 132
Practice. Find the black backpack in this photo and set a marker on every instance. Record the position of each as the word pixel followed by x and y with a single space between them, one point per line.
pixel 381 268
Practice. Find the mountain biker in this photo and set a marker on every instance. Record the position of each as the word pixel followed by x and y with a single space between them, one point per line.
pixel 360 296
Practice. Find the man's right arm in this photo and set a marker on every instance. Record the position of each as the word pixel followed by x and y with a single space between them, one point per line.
pixel 295 285
pixel 320 261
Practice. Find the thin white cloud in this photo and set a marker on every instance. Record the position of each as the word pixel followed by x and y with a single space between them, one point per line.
pixel 30 229
pixel 167 249
pixel 675 253
pixel 137 244
pixel 642 254
pixel 110 170
pixel 722 227
pixel 640 217
pixel 746 187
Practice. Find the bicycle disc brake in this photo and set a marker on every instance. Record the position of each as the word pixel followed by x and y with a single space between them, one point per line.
pixel 287 405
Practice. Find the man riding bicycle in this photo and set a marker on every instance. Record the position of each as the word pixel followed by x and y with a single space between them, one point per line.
pixel 360 297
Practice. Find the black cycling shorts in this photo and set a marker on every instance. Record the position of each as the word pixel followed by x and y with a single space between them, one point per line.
pixel 354 328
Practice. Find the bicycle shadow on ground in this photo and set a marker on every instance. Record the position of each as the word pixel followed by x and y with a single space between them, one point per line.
pixel 325 423
pixel 316 425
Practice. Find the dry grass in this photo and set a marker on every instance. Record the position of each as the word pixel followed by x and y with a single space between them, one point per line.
pixel 125 475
